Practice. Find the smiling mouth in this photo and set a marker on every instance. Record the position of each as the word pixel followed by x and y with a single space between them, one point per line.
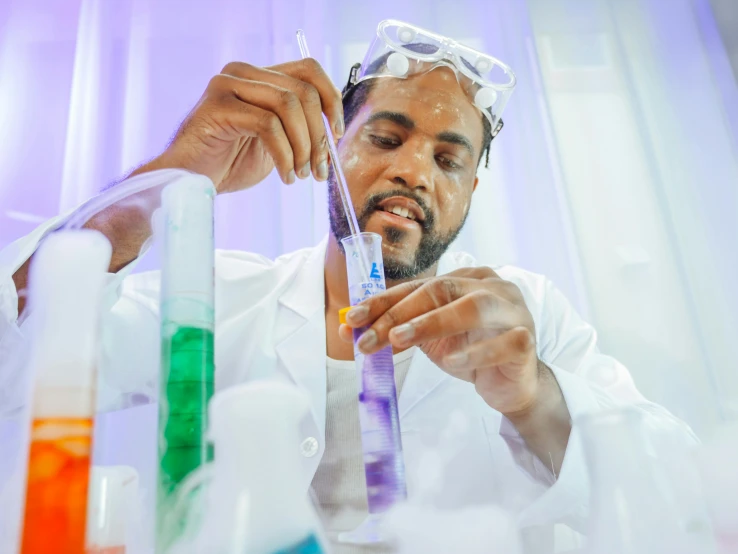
pixel 403 207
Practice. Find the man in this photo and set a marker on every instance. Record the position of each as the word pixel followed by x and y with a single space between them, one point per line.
pixel 491 365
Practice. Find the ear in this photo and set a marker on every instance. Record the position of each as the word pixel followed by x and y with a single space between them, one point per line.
pixel 476 182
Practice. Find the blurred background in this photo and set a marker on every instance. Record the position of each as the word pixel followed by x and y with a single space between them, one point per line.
pixel 616 174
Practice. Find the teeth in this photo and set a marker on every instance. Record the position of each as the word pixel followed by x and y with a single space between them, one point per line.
pixel 402 212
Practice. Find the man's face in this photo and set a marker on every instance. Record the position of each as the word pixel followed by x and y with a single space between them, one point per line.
pixel 412 149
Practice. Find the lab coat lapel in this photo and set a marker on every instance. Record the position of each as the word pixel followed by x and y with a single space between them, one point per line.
pixel 424 376
pixel 302 351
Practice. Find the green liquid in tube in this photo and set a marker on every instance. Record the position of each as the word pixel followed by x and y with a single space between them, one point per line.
pixel 187 381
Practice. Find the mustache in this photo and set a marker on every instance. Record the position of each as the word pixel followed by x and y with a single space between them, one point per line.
pixel 372 204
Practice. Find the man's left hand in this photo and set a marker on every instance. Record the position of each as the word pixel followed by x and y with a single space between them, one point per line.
pixel 471 323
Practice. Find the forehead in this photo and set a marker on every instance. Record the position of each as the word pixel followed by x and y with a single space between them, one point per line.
pixel 434 100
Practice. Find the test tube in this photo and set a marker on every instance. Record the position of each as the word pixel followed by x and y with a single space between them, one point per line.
pixel 67 279
pixel 379 418
pixel 112 512
pixel 187 342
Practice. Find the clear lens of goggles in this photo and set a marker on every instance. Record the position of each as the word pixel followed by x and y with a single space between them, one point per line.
pixel 401 50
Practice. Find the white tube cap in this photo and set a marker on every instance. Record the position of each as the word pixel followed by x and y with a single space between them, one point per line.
pixel 187 273
pixel 66 282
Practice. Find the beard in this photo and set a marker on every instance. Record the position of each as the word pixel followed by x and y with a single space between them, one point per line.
pixel 432 243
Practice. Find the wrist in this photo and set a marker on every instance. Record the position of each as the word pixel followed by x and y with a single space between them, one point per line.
pixel 165 160
pixel 546 412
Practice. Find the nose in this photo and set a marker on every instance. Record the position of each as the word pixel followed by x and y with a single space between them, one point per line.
pixel 413 167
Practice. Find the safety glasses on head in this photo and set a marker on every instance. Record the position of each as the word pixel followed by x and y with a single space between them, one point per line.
pixel 401 50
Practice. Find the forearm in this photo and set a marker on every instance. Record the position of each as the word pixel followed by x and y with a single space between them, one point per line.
pixel 546 426
pixel 127 225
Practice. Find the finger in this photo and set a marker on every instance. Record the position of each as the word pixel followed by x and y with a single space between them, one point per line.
pixel 479 309
pixel 283 102
pixel 372 308
pixel 310 71
pixel 430 295
pixel 312 104
pixel 508 350
pixel 321 96
pixel 346 333
pixel 251 121
pixel 479 272
pixel 369 310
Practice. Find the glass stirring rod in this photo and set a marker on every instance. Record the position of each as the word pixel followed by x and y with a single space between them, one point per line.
pixel 379 420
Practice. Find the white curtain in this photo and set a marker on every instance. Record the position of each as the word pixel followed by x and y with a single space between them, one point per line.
pixel 616 174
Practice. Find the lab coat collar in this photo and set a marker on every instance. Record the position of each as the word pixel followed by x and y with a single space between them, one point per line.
pixel 303 296
pixel 303 352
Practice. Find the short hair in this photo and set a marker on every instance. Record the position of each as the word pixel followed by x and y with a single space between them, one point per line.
pixel 355 95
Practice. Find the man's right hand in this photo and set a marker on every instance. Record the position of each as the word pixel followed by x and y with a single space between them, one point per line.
pixel 251 120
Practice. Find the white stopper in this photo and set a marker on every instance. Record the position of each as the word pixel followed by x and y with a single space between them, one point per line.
pixel 187 276
pixel 398 64
pixel 67 277
pixel 406 34
pixel 483 65
pixel 485 98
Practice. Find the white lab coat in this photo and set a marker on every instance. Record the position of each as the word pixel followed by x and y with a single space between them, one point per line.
pixel 270 322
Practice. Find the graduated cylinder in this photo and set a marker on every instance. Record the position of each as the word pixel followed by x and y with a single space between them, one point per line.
pixel 187 349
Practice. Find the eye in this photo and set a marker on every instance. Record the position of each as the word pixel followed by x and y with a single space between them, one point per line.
pixel 384 142
pixel 447 163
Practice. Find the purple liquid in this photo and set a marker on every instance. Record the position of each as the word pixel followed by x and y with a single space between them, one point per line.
pixel 380 429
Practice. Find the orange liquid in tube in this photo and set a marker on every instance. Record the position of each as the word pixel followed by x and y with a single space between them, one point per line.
pixel 56 490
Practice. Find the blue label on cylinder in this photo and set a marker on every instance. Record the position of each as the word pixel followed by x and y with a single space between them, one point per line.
pixel 308 546
pixel 362 291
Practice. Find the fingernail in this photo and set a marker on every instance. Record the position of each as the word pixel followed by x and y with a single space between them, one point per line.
pixel 323 170
pixel 457 359
pixel 403 332
pixel 305 171
pixel 357 314
pixel 340 129
pixel 367 340
pixel 291 177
